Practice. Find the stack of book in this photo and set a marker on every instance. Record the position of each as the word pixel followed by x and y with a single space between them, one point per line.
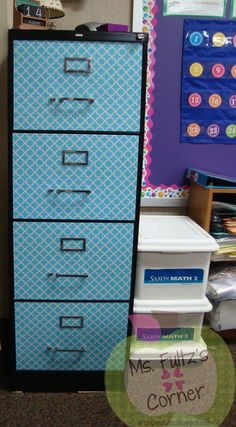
pixel 223 228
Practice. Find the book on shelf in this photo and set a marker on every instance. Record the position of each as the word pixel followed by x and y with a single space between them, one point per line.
pixel 210 179
pixel 223 223
pixel 227 250
pixel 224 207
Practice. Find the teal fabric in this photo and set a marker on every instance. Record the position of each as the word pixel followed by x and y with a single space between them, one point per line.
pixel 114 83
pixel 37 250
pixel 38 335
pixel 38 167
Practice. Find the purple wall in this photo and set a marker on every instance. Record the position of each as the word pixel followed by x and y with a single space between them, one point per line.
pixel 170 158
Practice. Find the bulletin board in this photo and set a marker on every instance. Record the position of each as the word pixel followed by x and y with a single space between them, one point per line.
pixel 208 106
pixel 165 156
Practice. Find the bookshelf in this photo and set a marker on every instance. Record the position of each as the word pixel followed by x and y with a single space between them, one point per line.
pixel 200 209
pixel 200 202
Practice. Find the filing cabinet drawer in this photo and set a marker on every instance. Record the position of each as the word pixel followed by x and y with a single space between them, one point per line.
pixel 68 336
pixel 72 85
pixel 72 261
pixel 75 176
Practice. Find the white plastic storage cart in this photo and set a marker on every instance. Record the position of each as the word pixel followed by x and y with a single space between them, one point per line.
pixel 173 258
pixel 223 316
pixel 172 321
pixel 159 351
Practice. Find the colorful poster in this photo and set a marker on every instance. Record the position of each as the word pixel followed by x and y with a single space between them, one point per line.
pixel 233 9
pixel 208 105
pixel 214 8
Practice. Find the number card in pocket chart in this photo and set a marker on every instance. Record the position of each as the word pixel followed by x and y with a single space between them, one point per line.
pixel 208 105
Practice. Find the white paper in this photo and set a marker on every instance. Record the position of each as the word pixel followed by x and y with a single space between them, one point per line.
pixel 195 7
pixel 137 26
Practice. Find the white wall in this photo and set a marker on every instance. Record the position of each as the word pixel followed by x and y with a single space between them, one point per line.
pixel 77 12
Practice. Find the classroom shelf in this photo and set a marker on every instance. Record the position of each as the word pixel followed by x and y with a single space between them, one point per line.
pixel 200 202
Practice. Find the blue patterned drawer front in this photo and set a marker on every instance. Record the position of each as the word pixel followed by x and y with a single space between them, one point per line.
pixel 102 185
pixel 68 336
pixel 102 256
pixel 42 86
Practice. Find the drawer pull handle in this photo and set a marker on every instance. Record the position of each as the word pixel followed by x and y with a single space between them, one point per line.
pixel 74 153
pixel 70 70
pixel 67 240
pixel 57 275
pixel 71 98
pixel 73 191
pixel 61 350
pixel 59 191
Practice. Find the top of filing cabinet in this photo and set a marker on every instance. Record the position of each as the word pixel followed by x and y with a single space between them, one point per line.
pixel 15 34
